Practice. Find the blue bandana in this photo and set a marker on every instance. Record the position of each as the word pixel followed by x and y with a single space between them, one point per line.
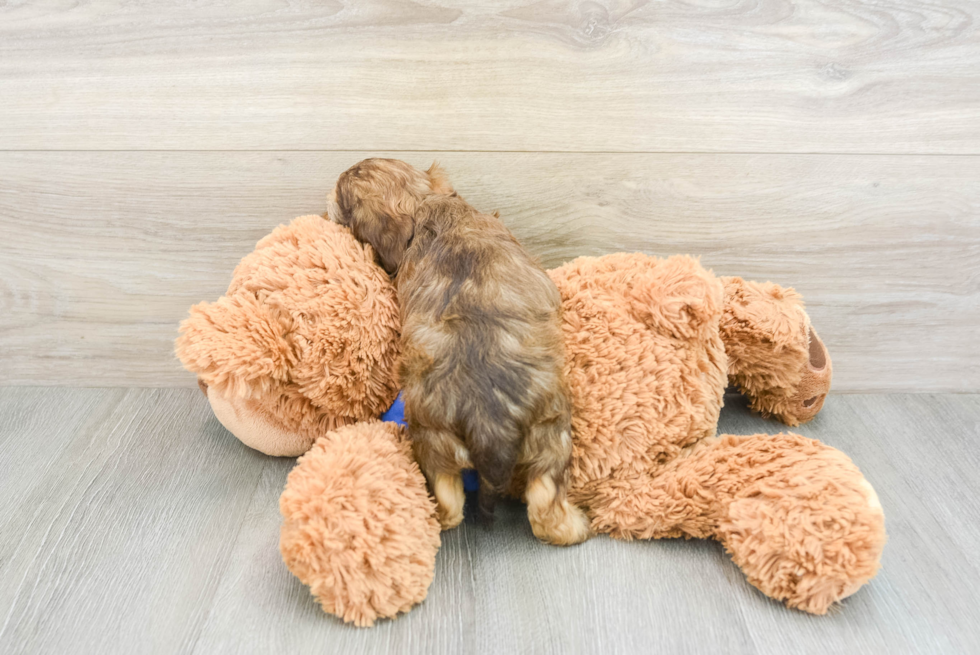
pixel 396 414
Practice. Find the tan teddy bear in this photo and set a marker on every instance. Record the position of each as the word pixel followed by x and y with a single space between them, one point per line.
pixel 302 350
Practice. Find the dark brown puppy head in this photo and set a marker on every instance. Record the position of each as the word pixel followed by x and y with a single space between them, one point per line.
pixel 377 199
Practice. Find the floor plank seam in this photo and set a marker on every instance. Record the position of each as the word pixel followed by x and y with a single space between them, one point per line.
pixel 230 550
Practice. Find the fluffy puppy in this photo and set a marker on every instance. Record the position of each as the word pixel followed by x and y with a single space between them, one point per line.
pixel 482 351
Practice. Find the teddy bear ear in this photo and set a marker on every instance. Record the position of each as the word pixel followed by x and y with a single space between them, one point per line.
pixel 237 345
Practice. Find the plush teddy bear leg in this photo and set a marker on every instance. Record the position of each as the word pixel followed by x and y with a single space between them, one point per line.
pixel 775 357
pixel 359 526
pixel 796 515
pixel 802 522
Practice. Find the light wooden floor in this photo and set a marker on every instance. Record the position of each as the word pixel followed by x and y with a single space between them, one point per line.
pixel 132 522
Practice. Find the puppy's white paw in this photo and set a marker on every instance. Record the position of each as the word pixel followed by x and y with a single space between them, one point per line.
pixel 554 521
pixel 450 498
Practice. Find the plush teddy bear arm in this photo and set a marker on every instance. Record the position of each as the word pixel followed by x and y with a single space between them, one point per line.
pixel 359 527
pixel 775 357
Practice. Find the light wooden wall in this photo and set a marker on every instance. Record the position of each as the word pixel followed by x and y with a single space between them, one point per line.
pixel 144 148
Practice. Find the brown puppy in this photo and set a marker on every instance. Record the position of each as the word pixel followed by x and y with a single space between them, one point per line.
pixel 482 350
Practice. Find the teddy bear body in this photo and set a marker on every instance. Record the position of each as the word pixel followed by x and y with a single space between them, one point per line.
pixel 647 371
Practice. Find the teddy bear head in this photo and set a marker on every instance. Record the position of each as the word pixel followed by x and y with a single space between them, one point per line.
pixel 304 341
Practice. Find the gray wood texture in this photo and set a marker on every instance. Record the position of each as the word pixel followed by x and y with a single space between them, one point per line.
pixel 782 76
pixel 103 253
pixel 131 521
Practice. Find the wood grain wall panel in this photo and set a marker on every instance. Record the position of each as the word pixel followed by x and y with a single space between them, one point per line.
pixel 104 252
pixel 781 76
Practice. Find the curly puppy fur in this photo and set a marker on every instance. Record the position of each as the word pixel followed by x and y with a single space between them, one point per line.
pixel 482 351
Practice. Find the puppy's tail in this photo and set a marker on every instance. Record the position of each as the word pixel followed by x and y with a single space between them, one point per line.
pixel 494 456
pixel 486 502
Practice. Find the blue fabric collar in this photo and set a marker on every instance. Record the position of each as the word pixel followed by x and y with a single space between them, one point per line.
pixel 396 414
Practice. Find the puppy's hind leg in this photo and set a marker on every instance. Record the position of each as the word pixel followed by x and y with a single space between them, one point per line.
pixel 442 456
pixel 553 518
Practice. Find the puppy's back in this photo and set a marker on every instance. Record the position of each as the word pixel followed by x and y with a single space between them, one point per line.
pixel 472 267
pixel 481 333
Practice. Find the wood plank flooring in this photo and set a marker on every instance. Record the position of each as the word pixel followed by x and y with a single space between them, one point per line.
pixel 131 521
